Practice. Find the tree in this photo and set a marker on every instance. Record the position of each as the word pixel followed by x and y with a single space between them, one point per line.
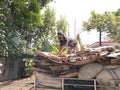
pixel 80 42
pixel 18 22
pixel 43 3
pixel 114 26
pixel 108 22
pixel 62 24
pixel 117 14
pixel 118 18
pixel 48 30
pixel 98 22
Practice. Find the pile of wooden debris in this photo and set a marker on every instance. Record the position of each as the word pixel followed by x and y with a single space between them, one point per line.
pixel 68 65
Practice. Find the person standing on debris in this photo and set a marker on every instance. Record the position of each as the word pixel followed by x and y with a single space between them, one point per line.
pixel 70 43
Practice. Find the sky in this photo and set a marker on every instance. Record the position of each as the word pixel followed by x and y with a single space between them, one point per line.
pixel 77 11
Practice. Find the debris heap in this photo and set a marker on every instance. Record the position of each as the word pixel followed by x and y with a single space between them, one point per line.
pixel 68 65
pixel 64 65
pixel 47 64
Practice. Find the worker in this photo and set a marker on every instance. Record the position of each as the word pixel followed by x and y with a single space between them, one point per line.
pixel 67 42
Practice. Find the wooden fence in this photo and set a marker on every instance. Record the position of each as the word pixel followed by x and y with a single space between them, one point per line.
pixel 11 69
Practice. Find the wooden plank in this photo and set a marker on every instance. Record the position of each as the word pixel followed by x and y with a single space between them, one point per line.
pixel 55 61
pixel 40 70
pixel 69 74
pixel 40 53
pixel 59 68
pixel 41 62
pixel 115 61
pixel 47 80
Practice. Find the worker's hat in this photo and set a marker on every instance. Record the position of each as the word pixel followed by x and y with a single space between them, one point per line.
pixel 60 32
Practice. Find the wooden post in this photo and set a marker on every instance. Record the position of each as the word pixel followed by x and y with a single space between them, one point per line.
pixel 94 84
pixel 62 83
pixel 119 87
pixel 35 81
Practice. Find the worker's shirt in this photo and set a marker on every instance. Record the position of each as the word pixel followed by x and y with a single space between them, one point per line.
pixel 68 42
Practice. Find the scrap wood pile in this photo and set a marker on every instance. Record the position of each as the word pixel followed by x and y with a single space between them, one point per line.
pixel 67 66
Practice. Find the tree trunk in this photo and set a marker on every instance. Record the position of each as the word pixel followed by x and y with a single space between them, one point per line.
pixel 100 37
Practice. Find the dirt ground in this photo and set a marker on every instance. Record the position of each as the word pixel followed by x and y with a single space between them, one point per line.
pixel 22 84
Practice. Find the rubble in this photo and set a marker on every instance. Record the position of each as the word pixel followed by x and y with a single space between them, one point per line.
pixel 69 65
pixel 58 65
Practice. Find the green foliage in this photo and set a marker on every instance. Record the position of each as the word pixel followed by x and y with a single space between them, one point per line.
pixel 118 12
pixel 43 3
pixel 79 40
pixel 96 21
pixel 46 46
pixel 19 20
pixel 44 36
pixel 106 22
pixel 49 21
pixel 117 47
pixel 114 26
pixel 28 70
pixel 55 50
pixel 62 24
pixel 65 51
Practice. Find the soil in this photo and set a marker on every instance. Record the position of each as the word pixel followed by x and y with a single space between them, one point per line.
pixel 21 84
